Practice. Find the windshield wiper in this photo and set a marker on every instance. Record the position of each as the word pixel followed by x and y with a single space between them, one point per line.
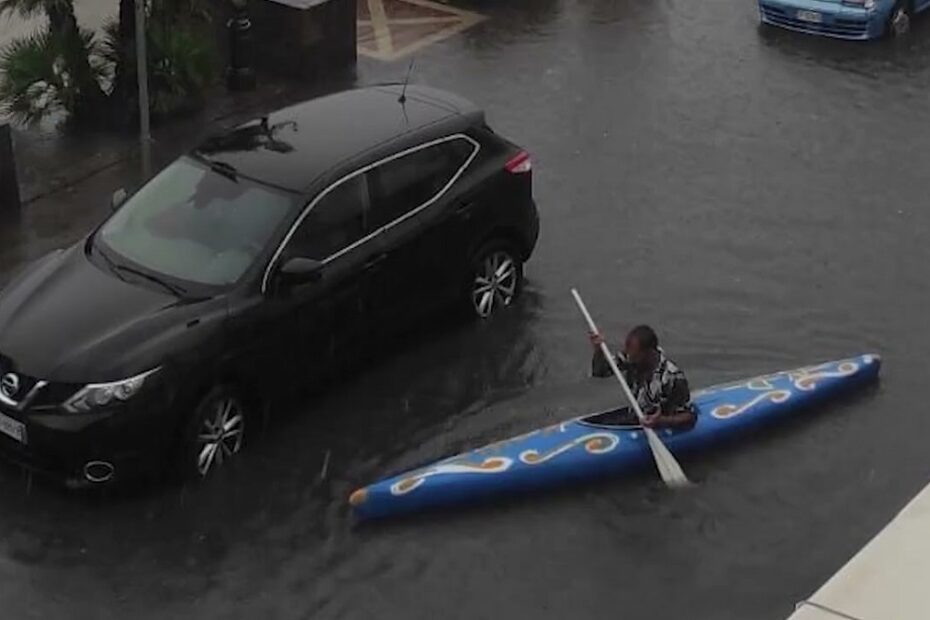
pixel 110 263
pixel 174 289
pixel 223 168
pixel 227 170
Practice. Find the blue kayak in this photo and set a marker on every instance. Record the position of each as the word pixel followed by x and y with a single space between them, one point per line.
pixel 606 443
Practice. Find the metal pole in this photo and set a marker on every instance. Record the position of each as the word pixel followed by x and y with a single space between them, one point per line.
pixel 142 70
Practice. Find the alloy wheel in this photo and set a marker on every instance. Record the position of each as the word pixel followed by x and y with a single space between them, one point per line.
pixel 220 435
pixel 495 283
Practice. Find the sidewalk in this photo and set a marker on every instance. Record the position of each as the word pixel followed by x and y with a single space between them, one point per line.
pixel 42 153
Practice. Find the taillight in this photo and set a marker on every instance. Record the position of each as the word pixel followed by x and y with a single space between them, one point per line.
pixel 521 163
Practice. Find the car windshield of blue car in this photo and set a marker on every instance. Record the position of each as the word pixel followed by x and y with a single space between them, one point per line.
pixel 196 224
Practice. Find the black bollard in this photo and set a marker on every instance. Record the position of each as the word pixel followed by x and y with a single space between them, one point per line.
pixel 240 75
pixel 9 183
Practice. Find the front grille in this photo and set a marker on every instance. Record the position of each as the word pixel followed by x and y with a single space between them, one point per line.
pixel 833 27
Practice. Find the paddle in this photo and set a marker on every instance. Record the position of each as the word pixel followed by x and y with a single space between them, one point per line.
pixel 668 467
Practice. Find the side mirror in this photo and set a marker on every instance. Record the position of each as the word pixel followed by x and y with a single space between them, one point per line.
pixel 118 198
pixel 297 271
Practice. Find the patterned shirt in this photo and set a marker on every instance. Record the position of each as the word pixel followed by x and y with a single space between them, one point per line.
pixel 665 389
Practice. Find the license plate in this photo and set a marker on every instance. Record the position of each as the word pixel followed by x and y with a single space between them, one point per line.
pixel 13 428
pixel 811 17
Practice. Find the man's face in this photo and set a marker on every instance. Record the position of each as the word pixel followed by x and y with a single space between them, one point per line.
pixel 635 352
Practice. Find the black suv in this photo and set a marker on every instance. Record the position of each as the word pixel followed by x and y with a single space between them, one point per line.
pixel 254 264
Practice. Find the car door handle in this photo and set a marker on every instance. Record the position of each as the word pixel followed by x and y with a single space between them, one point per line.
pixel 374 261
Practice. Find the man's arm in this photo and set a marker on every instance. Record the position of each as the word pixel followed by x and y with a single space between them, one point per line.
pixel 599 365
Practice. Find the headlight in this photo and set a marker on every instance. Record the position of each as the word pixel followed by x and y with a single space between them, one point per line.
pixel 95 395
pixel 866 4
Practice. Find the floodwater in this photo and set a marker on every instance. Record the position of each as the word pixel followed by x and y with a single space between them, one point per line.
pixel 757 196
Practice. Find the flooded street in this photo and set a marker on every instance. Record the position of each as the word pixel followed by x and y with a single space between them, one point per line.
pixel 757 196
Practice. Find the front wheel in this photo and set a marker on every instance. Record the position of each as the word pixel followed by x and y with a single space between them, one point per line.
pixel 214 435
pixel 899 22
pixel 497 279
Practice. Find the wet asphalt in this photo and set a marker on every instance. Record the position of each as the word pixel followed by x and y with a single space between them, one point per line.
pixel 757 196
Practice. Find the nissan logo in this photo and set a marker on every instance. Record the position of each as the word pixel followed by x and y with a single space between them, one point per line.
pixel 9 384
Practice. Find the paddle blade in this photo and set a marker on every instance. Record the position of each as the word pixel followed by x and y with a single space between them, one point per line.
pixel 671 472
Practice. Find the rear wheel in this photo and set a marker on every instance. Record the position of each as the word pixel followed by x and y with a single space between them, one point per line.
pixel 496 279
pixel 215 434
pixel 899 22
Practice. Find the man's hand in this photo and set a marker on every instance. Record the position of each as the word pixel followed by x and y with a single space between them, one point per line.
pixel 596 339
pixel 653 420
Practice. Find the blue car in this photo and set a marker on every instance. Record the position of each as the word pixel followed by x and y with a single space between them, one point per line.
pixel 842 19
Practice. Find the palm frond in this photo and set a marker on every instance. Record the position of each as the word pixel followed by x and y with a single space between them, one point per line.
pixel 37 75
pixel 30 83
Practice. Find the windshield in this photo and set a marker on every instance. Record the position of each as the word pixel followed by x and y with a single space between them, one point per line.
pixel 197 225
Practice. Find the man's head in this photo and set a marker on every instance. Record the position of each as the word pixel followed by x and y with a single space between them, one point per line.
pixel 641 346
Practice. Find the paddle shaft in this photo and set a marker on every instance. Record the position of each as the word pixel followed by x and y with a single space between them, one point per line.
pixel 605 351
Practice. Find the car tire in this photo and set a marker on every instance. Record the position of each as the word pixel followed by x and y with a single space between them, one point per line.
pixel 214 435
pixel 495 279
pixel 899 21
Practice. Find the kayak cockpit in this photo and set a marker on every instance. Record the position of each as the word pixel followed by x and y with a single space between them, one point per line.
pixel 621 418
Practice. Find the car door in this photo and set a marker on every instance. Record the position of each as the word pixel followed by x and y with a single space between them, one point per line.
pixel 288 337
pixel 415 204
pixel 332 313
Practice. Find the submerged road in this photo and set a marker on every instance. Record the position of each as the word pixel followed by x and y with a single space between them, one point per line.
pixel 760 197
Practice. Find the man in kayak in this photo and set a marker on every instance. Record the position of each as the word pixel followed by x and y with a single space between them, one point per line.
pixel 657 383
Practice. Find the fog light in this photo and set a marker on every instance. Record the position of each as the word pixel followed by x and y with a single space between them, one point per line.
pixel 98 472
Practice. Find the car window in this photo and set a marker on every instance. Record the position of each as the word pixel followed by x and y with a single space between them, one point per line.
pixel 405 183
pixel 194 224
pixel 334 223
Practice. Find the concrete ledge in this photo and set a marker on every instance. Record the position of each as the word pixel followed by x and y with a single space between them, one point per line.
pixel 887 579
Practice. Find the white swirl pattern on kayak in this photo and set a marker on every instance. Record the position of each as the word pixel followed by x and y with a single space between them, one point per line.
pixel 594 443
pixel 722 412
pixel 492 465
pixel 807 378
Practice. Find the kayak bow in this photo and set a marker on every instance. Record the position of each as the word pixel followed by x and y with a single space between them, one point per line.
pixel 592 446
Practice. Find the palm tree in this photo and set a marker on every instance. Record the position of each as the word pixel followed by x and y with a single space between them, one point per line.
pixel 74 44
pixel 65 68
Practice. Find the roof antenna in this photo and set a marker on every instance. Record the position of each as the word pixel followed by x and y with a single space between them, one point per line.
pixel 403 93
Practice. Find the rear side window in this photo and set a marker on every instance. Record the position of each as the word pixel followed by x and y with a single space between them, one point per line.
pixel 334 223
pixel 410 181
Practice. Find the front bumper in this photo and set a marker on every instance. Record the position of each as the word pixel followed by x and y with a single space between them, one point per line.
pixel 133 437
pixel 836 20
